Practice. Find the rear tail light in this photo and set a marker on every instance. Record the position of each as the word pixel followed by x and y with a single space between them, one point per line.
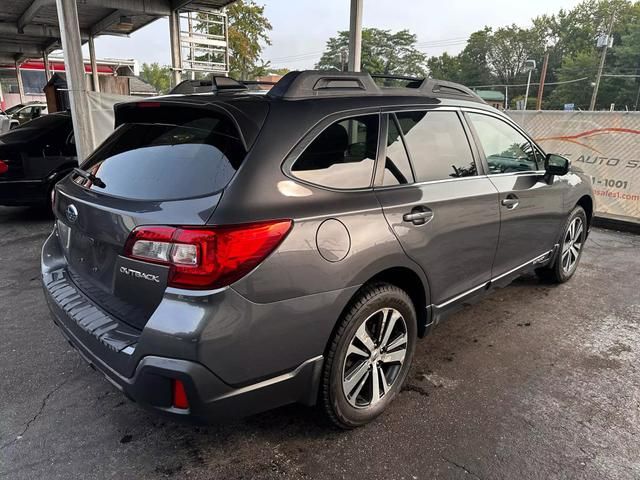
pixel 180 399
pixel 4 168
pixel 203 258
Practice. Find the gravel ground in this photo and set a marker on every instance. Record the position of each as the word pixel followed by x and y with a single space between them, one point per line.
pixel 535 381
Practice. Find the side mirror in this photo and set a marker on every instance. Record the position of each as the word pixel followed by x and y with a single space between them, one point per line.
pixel 556 164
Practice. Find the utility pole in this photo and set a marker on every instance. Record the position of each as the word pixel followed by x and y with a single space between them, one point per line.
pixel 543 76
pixel 603 57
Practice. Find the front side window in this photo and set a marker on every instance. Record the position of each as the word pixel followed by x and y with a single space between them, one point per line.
pixel 505 149
pixel 342 156
pixel 437 145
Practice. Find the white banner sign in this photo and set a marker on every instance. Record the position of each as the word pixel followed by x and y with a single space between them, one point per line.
pixel 606 145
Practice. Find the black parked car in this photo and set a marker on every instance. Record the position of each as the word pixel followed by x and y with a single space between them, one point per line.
pixel 222 254
pixel 34 157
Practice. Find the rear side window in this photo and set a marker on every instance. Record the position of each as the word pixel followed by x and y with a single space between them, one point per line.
pixel 148 161
pixel 437 144
pixel 397 170
pixel 342 156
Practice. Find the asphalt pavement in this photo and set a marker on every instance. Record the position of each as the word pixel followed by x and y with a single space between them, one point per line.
pixel 535 381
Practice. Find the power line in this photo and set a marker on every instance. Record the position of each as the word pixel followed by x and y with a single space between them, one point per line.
pixel 445 42
pixel 532 83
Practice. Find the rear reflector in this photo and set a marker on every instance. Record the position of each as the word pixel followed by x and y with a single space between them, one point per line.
pixel 203 258
pixel 180 399
pixel 4 168
pixel 148 104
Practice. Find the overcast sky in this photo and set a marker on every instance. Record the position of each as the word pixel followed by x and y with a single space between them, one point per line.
pixel 301 28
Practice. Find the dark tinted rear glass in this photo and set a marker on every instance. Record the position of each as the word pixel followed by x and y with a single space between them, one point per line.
pixel 342 156
pixel 147 161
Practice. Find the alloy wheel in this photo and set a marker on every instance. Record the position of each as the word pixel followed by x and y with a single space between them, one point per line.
pixel 374 358
pixel 572 245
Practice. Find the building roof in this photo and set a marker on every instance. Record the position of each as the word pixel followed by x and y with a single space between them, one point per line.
pixel 137 86
pixel 490 95
pixel 29 27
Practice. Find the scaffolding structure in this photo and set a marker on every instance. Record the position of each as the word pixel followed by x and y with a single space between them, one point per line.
pixel 204 42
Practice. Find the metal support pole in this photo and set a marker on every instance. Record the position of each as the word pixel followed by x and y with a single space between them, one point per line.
pixel 506 97
pixel 526 93
pixel 47 66
pixel 355 36
pixel 94 65
pixel 227 65
pixel 174 38
pixel 20 84
pixel 76 83
pixel 191 51
pixel 603 57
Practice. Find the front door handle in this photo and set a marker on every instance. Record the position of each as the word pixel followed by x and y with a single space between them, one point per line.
pixel 418 215
pixel 511 201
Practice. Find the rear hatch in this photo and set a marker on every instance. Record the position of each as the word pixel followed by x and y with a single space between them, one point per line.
pixel 166 164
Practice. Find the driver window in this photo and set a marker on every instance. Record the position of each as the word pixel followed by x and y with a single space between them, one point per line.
pixel 506 149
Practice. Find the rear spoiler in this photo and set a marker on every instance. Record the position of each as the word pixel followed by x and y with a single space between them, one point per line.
pixel 175 110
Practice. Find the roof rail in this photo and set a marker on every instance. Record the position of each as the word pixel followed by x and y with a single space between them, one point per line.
pixel 315 83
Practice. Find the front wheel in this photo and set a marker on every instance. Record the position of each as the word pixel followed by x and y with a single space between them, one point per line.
pixel 571 246
pixel 369 356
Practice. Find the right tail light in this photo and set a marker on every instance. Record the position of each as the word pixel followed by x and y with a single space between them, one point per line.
pixel 207 257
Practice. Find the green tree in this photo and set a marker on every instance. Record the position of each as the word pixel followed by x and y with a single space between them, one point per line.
pixel 156 75
pixel 446 67
pixel 383 52
pixel 510 47
pixel 248 33
pixel 474 64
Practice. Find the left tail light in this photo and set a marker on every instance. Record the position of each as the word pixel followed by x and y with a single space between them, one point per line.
pixel 203 258
pixel 4 168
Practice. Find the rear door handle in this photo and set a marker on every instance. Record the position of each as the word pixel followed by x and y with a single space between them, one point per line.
pixel 418 215
pixel 511 201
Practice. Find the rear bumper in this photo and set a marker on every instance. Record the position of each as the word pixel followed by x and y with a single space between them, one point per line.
pixel 23 192
pixel 210 399
pixel 119 352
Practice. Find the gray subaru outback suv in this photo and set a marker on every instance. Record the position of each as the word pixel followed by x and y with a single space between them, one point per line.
pixel 226 253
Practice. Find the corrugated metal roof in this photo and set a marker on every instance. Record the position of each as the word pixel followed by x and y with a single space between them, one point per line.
pixel 27 27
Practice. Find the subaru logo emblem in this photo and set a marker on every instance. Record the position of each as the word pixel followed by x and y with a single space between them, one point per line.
pixel 72 213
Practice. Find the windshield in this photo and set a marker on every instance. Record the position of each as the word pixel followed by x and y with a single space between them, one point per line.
pixel 147 161
pixel 14 109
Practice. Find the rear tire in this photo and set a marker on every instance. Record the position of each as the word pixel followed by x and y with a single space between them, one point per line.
pixel 369 356
pixel 568 256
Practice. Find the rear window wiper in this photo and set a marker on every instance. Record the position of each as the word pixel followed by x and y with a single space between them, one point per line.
pixel 90 176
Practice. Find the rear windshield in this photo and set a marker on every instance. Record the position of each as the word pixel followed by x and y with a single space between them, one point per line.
pixel 151 161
